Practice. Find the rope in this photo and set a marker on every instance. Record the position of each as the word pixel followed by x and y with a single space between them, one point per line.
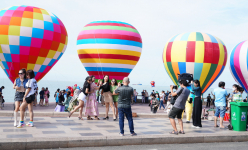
pixel 98 55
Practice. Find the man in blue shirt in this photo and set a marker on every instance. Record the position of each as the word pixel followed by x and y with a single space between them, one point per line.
pixel 220 103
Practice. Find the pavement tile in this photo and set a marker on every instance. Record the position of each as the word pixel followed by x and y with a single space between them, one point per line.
pixel 19 136
pixel 105 126
pixel 91 134
pixel 79 129
pixel 14 130
pixel 152 132
pixel 53 132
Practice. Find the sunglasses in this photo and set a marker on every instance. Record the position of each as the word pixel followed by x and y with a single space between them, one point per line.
pixel 112 81
pixel 20 73
pixel 89 80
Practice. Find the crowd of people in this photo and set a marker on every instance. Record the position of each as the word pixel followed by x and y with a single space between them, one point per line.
pixel 120 97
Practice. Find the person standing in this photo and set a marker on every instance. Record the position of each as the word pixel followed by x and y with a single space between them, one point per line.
pixel 162 95
pixel 125 93
pixel 154 103
pixel 91 108
pixel 98 96
pixel 146 96
pixel 28 98
pixel 143 96
pixel 60 107
pixel 19 86
pixel 115 97
pixel 208 100
pixel 107 97
pixel 197 107
pixel 135 94
pixel 67 100
pixel 42 93
pixel 46 96
pixel 82 97
pixel 1 97
pixel 220 104
pixel 179 106
pixel 57 96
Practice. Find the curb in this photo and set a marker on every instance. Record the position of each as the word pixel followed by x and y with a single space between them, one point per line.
pixel 65 114
pixel 48 143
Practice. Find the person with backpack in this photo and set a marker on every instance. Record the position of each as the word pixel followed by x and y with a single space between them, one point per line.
pixel 182 95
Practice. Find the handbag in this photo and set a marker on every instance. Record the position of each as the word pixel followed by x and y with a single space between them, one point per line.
pixel 174 98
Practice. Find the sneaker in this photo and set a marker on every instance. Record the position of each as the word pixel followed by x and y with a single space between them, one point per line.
pixel 30 124
pixel 121 134
pixel 187 122
pixel 20 125
pixel 193 126
pixel 134 134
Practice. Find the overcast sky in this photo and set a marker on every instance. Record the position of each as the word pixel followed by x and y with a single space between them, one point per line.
pixel 156 20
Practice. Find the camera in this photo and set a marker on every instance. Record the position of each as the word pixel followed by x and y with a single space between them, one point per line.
pixel 174 87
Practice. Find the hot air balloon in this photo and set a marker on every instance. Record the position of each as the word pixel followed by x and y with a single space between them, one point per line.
pixel 200 54
pixel 239 64
pixel 109 48
pixel 152 83
pixel 30 38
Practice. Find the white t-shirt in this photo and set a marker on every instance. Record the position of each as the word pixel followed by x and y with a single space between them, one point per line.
pixel 33 85
pixel 162 95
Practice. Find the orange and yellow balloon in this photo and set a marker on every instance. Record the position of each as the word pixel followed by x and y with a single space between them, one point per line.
pixel 200 54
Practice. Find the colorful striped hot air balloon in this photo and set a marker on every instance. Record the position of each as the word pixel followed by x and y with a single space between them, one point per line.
pixel 239 64
pixel 109 48
pixel 200 54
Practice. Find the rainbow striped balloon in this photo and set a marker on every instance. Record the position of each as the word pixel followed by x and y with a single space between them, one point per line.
pixel 239 64
pixel 200 54
pixel 109 48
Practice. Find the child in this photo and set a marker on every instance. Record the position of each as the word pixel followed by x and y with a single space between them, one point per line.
pixel 154 104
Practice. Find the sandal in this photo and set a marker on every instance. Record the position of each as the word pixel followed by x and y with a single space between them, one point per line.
pixel 216 126
pixel 106 118
pixel 70 114
pixel 96 118
pixel 80 118
pixel 174 132
pixel 89 118
pixel 181 132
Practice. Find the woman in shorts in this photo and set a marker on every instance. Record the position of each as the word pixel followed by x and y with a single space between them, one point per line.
pixel 19 86
pixel 82 97
pixel 28 99
pixel 115 97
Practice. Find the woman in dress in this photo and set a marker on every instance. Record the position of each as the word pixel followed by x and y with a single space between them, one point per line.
pixel 60 107
pixel 19 86
pixel 29 96
pixel 197 108
pixel 108 97
pixel 46 96
pixel 115 97
pixel 57 96
pixel 91 103
pixel 82 97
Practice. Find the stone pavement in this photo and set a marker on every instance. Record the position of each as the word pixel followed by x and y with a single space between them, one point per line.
pixel 55 132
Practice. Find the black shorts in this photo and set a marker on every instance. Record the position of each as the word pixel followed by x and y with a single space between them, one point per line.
pixel 30 99
pixel 175 112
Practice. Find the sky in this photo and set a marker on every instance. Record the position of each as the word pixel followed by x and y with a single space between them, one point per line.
pixel 156 20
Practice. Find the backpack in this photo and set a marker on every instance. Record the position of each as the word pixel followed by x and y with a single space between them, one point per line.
pixel 174 98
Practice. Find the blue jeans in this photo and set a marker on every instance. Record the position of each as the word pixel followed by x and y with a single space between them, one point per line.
pixel 161 104
pixel 220 110
pixel 135 98
pixel 128 113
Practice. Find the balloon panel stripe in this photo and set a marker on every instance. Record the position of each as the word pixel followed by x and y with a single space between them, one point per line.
pixel 109 46
pixel 108 31
pixel 110 27
pixel 110 24
pixel 109 41
pixel 108 56
pixel 216 73
pixel 209 75
pixel 116 61
pixel 190 51
pixel 109 36
pixel 108 51
pixel 108 69
pixel 174 78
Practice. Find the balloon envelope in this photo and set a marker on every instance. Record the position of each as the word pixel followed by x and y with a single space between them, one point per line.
pixel 200 54
pixel 239 64
pixel 30 38
pixel 109 48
